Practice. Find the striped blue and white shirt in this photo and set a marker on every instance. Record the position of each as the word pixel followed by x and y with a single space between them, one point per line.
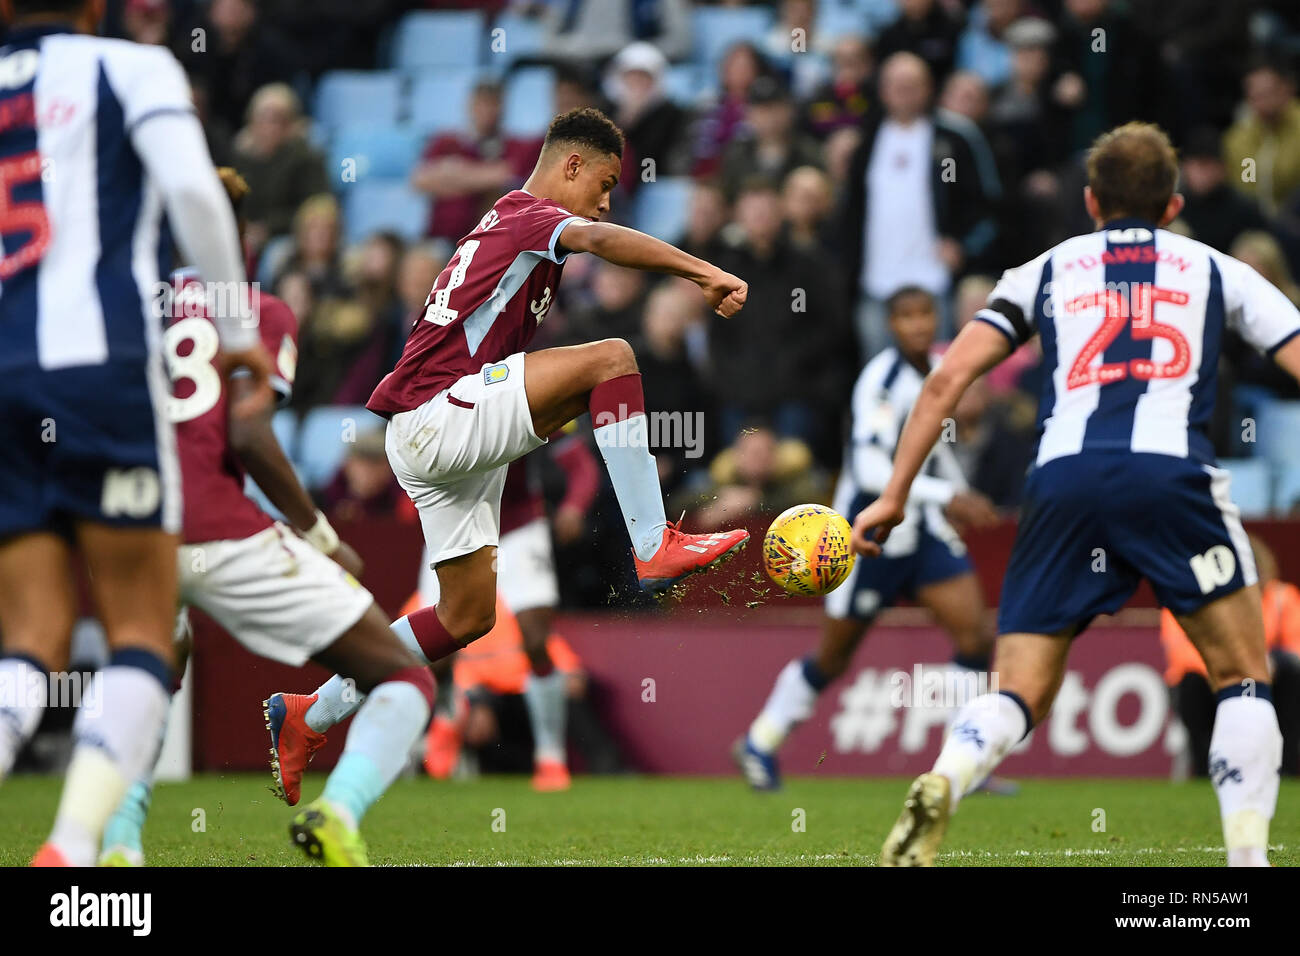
pixel 1131 321
pixel 81 220
pixel 883 396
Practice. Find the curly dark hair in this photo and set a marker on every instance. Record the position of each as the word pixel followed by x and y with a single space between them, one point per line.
pixel 586 127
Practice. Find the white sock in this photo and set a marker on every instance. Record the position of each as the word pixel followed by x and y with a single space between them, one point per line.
pixel 24 692
pixel 791 703
pixel 338 698
pixel 547 713
pixel 116 734
pixel 1245 755
pixel 625 446
pixel 378 747
pixel 983 732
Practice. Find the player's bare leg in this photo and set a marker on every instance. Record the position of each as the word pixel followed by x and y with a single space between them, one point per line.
pixel 958 607
pixel 37 611
pixel 793 698
pixel 133 581
pixel 602 377
pixel 544 695
pixel 1029 668
pixel 1246 745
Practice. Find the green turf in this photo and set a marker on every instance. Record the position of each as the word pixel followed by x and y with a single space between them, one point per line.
pixel 670 821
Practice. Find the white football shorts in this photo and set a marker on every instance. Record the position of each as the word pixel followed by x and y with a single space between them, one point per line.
pixel 276 594
pixel 525 570
pixel 450 455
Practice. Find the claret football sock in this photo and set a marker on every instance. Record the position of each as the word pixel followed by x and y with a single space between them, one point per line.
pixel 983 732
pixel 379 742
pixel 791 702
pixel 622 434
pixel 24 688
pixel 1245 754
pixel 116 734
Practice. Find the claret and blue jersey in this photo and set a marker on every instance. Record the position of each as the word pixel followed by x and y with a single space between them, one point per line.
pixel 1131 320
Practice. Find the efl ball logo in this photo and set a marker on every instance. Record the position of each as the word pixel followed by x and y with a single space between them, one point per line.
pixel 806 550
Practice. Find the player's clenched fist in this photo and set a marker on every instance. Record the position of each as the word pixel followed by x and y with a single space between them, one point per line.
pixel 724 292
pixel 873 523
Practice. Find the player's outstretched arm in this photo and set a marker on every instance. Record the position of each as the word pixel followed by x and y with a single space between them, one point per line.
pixel 976 350
pixel 254 441
pixel 627 247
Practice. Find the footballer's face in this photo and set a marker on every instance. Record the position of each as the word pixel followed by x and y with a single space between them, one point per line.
pixel 913 323
pixel 590 184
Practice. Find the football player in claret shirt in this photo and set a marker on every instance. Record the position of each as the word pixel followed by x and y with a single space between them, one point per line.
pixel 278 593
pixel 464 400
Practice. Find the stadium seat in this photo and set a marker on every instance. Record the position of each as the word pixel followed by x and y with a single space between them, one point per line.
pixel 440 100
pixel 880 13
pixel 1277 430
pixel 450 38
pixel 520 36
pixel 530 101
pixel 377 151
pixel 687 85
pixel 1286 492
pixel 662 207
pixel 1252 485
pixel 384 204
pixel 716 29
pixel 284 424
pixel 274 255
pixel 326 435
pixel 343 95
pixel 842 17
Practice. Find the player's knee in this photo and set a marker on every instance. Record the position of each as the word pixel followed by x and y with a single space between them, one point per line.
pixel 617 357
pixel 471 623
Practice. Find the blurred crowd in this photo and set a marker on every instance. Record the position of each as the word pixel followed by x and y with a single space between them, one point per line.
pixel 806 172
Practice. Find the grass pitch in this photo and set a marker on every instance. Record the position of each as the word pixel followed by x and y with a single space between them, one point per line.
pixel 233 820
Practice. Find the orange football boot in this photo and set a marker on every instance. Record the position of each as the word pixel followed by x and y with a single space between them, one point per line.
pixel 441 748
pixel 293 743
pixel 550 776
pixel 681 555
pixel 49 855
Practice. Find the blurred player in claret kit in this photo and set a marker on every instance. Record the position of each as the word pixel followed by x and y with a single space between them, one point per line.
pixel 278 593
pixel 925 560
pixel 465 401
pixel 90 458
pixel 528 586
pixel 1131 318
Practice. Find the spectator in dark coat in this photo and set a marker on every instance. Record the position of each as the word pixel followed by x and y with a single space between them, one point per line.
pixel 771 145
pixel 1214 212
pixel 791 361
pixel 654 126
pixel 282 169
pixel 926 29
pixel 919 202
